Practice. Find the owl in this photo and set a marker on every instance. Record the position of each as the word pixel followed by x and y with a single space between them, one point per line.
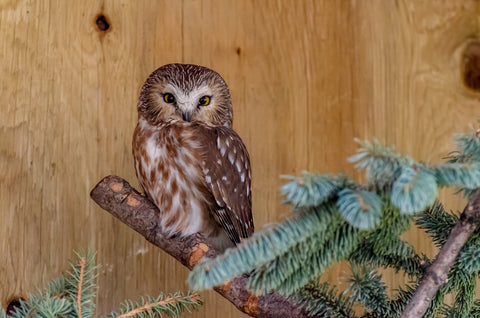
pixel 188 159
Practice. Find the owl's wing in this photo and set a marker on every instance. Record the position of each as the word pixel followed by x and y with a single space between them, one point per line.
pixel 226 167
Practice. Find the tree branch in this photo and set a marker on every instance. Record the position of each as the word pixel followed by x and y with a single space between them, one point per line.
pixel 437 273
pixel 116 196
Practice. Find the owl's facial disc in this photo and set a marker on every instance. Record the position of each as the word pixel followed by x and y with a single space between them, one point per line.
pixel 185 92
pixel 188 105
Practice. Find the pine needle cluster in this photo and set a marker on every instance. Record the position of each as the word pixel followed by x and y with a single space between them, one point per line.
pixel 336 219
pixel 73 295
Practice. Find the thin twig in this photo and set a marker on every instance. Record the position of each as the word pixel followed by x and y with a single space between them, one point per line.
pixel 80 284
pixel 437 273
pixel 148 306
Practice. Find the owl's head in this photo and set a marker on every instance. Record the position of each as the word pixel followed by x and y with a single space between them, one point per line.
pixel 185 92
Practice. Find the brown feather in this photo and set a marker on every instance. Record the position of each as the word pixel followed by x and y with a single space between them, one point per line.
pixel 188 160
pixel 226 166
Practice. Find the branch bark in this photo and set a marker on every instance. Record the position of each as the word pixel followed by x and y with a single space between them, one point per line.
pixel 116 196
pixel 437 273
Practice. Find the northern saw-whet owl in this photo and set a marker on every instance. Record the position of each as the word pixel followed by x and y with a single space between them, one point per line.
pixel 188 159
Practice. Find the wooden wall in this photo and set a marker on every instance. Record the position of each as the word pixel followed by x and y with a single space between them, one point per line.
pixel 306 77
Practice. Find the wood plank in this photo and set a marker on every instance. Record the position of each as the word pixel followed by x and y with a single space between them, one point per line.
pixel 306 77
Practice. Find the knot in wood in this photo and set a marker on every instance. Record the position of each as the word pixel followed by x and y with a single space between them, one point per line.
pixel 116 186
pixel 13 305
pixel 225 287
pixel 102 23
pixel 197 253
pixel 251 306
pixel 132 201
pixel 471 66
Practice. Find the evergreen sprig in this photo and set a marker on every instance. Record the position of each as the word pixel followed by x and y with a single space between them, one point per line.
pixel 437 223
pixel 69 295
pixel 475 312
pixel 468 148
pixel 72 295
pixel 312 189
pixel 343 241
pixel 469 258
pixel 80 284
pixel 401 299
pixel 463 175
pixel 287 267
pixel 322 300
pixel 382 164
pixel 383 247
pixel 360 208
pixel 263 247
pixel 414 190
pixel 396 254
pixel 367 288
pixel 465 297
pixel 172 305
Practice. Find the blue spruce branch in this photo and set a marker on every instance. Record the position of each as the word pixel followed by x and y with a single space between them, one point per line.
pixel 172 305
pixel 312 189
pixel 287 265
pixel 463 175
pixel 343 242
pixel 360 208
pixel 80 284
pixel 367 288
pixel 382 164
pixel 322 300
pixel 437 222
pixel 262 248
pixel 468 148
pixel 72 296
pixel 414 190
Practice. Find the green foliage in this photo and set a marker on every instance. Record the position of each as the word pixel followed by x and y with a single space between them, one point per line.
pixel 414 190
pixel 337 219
pixel 469 259
pixel 381 164
pixel 286 270
pixel 172 305
pixel 437 223
pixel 64 294
pixel 383 246
pixel 360 208
pixel 336 248
pixel 73 293
pixel 367 288
pixel 468 148
pixel 475 312
pixel 312 189
pixel 465 297
pixel 463 175
pixel 79 283
pixel 400 300
pixel 322 300
pixel 269 245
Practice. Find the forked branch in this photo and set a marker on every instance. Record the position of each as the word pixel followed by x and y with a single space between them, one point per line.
pixel 116 196
pixel 437 273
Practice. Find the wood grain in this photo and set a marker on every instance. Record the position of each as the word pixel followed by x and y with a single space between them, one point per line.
pixel 306 77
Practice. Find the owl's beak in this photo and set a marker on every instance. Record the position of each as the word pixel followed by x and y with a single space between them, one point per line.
pixel 187 116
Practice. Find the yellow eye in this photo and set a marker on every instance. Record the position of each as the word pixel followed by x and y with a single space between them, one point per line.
pixel 169 98
pixel 204 101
